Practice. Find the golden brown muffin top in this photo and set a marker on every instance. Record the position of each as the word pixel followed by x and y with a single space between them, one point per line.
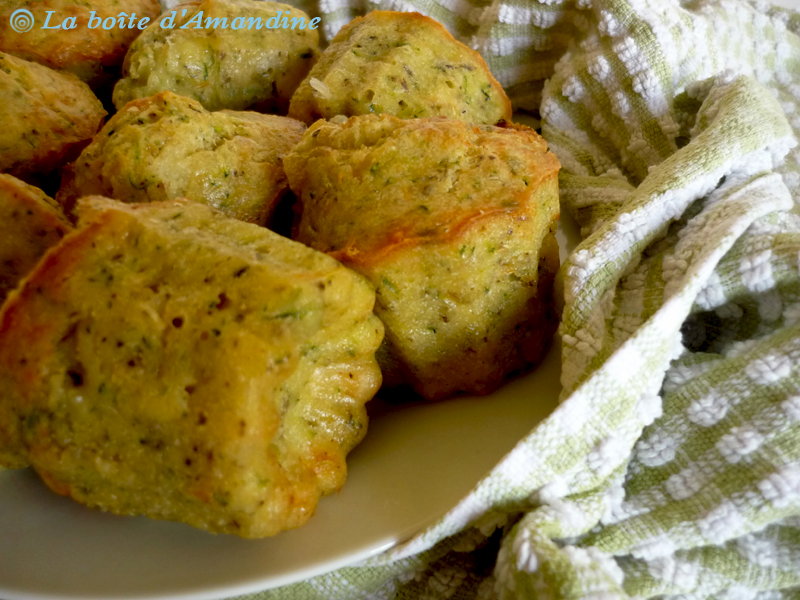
pixel 81 50
pixel 46 117
pixel 393 183
pixel 187 366
pixel 168 146
pixel 402 64
pixel 222 67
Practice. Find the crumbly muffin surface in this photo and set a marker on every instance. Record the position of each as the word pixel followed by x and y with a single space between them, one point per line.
pixel 168 146
pixel 454 225
pixel 47 117
pixel 402 64
pixel 187 366
pixel 30 223
pixel 222 66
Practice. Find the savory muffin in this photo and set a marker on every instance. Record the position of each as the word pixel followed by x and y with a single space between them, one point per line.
pixel 47 117
pixel 30 222
pixel 230 60
pixel 167 146
pixel 453 224
pixel 93 54
pixel 187 366
pixel 402 64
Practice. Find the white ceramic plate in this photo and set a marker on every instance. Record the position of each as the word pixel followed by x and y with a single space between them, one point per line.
pixel 416 462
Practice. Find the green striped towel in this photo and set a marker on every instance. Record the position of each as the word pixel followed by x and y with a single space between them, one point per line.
pixel 672 465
